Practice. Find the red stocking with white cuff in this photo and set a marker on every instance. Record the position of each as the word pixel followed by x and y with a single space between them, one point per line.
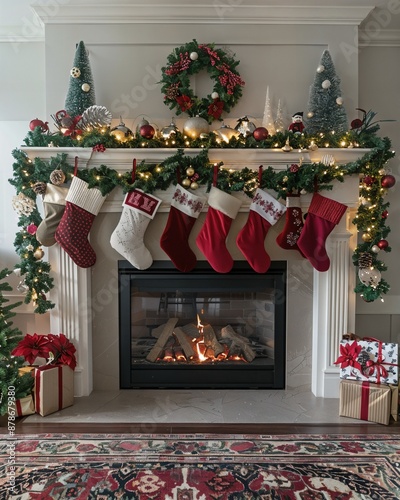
pixel 211 239
pixel 323 215
pixel 185 209
pixel 265 211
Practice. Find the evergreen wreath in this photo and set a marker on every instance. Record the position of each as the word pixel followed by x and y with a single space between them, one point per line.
pixel 189 60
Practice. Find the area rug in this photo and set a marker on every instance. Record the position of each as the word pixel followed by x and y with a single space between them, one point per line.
pixel 200 467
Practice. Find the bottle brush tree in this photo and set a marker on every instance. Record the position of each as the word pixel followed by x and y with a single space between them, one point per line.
pixel 326 112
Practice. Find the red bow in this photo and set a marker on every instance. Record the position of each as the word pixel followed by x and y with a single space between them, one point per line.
pixel 72 130
pixel 376 367
pixel 349 355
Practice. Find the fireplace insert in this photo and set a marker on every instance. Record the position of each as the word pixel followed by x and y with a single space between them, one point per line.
pixel 202 329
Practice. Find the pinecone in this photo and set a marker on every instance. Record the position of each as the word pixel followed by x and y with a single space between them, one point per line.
pixel 39 187
pixel 95 117
pixel 57 177
pixel 364 260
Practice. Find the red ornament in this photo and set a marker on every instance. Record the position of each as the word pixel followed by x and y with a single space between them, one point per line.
pixel 38 123
pixel 147 131
pixel 260 133
pixel 357 123
pixel 388 181
pixel 383 244
pixel 385 214
pixel 368 180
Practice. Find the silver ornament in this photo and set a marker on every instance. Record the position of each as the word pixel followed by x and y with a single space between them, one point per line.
pixel 195 126
pixel 226 133
pixel 169 130
pixel 22 287
pixel 121 132
pixel 85 87
pixel 245 126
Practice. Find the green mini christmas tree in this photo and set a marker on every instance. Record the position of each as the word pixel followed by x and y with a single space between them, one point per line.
pixel 81 93
pixel 326 112
pixel 11 383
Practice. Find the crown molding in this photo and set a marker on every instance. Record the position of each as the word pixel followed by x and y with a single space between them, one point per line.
pixel 383 38
pixel 212 13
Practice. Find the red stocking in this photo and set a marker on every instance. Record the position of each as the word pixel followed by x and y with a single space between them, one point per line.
pixel 185 209
pixel 265 211
pixel 211 239
pixel 322 217
pixel 287 239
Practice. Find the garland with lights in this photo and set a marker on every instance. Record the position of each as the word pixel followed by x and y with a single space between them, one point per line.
pixel 30 178
pixel 190 59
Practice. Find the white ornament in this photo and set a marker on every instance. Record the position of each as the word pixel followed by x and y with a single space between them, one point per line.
pixel 365 202
pixel 382 171
pixel 75 72
pixel 310 114
pixel 214 95
pixel 321 68
pixel 339 101
pixel 375 249
pixel 326 84
pixel 370 277
pixel 85 87
pixel 194 56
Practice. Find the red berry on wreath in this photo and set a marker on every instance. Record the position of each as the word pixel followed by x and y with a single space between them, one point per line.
pixel 383 244
pixel 260 134
pixel 385 214
pixel 147 131
pixel 388 181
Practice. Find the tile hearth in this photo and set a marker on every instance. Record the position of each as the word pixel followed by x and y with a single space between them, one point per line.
pixel 298 406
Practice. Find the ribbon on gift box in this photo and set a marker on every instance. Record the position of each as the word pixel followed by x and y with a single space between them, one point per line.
pixel 364 401
pixel 376 368
pixel 348 356
pixel 38 381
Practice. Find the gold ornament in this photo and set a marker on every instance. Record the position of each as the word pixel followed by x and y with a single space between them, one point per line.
pixel 226 133
pixel 186 182
pixel 121 132
pixel 195 126
pixel 190 171
pixel 287 147
pixel 38 253
pixel 194 185
pixel 366 237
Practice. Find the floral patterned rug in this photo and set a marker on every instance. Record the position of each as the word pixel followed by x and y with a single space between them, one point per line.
pixel 200 467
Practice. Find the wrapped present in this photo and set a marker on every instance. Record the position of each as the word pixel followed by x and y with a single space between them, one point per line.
pixel 395 402
pixel 365 401
pixel 369 360
pixel 24 406
pixel 54 388
pixel 26 369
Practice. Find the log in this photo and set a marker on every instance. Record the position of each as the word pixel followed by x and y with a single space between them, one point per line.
pixel 228 332
pixel 191 330
pixel 210 340
pixel 156 332
pixel 179 355
pixel 185 342
pixel 156 351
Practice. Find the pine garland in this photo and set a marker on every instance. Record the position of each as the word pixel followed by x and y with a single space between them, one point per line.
pixel 151 177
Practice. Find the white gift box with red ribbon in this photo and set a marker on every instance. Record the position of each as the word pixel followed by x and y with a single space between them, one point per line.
pixel 369 360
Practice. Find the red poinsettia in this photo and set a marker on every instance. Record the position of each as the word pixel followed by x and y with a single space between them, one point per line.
pixel 215 108
pixel 32 347
pixel 57 349
pixel 185 102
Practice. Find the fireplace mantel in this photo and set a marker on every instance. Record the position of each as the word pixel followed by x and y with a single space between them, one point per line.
pixel 333 296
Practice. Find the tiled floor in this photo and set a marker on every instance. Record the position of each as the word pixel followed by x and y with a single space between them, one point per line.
pixel 200 406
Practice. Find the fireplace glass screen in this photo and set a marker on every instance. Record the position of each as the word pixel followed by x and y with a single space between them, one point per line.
pixel 202 329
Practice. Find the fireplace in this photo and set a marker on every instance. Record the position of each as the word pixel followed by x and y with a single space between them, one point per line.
pixel 202 329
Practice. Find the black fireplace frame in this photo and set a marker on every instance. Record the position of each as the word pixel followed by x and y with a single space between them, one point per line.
pixel 183 376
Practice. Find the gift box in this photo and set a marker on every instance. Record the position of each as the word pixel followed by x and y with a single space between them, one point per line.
pixel 369 360
pixel 394 412
pixel 24 406
pixel 54 388
pixel 365 401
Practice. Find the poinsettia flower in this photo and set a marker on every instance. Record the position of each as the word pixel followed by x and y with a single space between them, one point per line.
pixel 31 347
pixel 63 350
pixel 348 355
pixel 185 102
pixel 215 108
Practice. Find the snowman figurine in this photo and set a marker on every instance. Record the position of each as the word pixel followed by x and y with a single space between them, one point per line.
pixel 297 125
